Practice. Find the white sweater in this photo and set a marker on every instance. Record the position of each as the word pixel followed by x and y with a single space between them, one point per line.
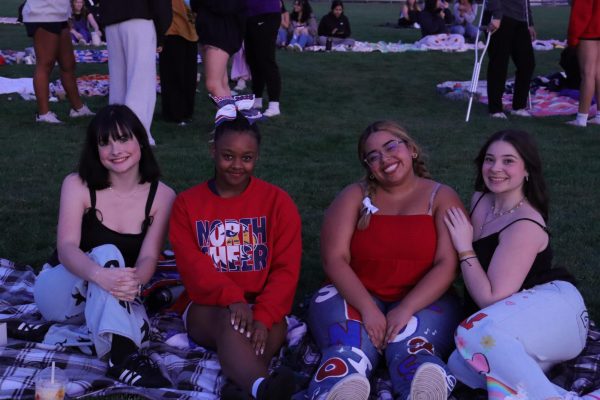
pixel 46 11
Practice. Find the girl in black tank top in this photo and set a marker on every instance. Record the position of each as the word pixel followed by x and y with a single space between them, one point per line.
pixel 112 224
pixel 530 317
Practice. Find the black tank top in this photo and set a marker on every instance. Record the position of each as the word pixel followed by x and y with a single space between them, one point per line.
pixel 94 233
pixel 486 246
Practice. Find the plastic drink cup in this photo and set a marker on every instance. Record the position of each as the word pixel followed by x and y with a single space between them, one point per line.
pixel 50 384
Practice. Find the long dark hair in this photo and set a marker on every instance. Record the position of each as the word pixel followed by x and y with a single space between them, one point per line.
pixel 534 188
pixel 115 121
pixel 306 11
pixel 336 3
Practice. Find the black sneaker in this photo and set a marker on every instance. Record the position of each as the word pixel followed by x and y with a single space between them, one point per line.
pixel 138 370
pixel 29 332
pixel 280 385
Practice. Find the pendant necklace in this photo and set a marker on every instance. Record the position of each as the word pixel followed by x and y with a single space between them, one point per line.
pixel 496 215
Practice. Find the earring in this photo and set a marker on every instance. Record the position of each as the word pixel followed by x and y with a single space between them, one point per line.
pixel 415 155
pixel 371 177
pixel 526 178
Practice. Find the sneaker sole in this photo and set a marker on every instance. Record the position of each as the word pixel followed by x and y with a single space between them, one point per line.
pixel 429 383
pixel 352 387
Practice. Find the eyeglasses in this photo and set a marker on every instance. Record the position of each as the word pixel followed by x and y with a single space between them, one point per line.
pixel 391 147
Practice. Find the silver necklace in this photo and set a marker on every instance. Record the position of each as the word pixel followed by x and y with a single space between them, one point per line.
pixel 496 215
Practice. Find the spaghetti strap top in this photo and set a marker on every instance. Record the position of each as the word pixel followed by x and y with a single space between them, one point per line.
pixel 432 197
pixel 94 233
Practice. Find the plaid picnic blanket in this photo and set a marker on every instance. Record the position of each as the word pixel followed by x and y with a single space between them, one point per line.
pixel 195 372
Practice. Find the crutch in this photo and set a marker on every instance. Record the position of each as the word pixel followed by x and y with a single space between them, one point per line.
pixel 478 62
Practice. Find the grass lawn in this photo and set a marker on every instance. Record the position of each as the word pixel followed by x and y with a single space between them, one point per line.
pixel 310 150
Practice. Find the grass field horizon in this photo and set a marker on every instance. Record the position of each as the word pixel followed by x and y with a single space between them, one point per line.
pixel 310 150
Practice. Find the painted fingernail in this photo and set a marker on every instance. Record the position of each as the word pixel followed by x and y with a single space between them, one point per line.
pixel 262 351
pixel 241 330
pixel 248 334
pixel 236 327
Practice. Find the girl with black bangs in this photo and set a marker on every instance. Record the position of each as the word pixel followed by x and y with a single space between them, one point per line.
pixel 111 227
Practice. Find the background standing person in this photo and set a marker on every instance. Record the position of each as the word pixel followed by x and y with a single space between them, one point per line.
pixel 178 62
pixel 512 32
pixel 132 28
pixel 335 26
pixel 46 21
pixel 584 32
pixel 264 19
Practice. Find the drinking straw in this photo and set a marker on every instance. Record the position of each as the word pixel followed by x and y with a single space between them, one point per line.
pixel 52 373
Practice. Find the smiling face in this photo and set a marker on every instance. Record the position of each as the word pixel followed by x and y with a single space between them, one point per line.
pixel 503 169
pixel 235 155
pixel 120 154
pixel 389 157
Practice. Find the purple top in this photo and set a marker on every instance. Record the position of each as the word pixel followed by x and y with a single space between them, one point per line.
pixel 257 7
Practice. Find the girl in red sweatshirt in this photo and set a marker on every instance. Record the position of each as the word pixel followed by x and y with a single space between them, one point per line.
pixel 237 242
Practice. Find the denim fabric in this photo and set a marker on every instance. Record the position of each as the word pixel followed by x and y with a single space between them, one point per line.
pixel 346 348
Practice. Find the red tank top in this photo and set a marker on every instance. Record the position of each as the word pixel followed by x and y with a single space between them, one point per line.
pixel 393 253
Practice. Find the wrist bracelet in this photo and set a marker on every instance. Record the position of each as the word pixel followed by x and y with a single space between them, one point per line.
pixel 468 253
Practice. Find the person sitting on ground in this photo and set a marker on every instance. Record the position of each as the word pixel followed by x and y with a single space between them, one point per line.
pixel 282 33
pixel 303 26
pixel 525 316
pixel 465 12
pixel 238 246
pixel 434 18
pixel 80 22
pixel 390 261
pixel 335 27
pixel 409 14
pixel 112 224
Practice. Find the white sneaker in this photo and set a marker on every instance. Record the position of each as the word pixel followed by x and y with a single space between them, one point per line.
pixel 577 123
pixel 84 111
pixel 297 47
pixel 49 118
pixel 272 110
pixel 499 115
pixel 429 383
pixel 594 121
pixel 521 113
pixel 352 387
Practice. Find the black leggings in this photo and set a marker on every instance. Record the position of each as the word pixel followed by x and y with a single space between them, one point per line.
pixel 261 35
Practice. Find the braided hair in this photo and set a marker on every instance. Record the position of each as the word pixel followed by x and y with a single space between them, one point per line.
pixel 369 182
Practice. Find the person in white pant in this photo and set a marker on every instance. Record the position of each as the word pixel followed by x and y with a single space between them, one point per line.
pixel 526 317
pixel 133 31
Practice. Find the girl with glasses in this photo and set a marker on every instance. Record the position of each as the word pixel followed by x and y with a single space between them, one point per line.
pixel 390 263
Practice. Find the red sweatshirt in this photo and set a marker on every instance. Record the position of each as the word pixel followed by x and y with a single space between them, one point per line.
pixel 584 22
pixel 241 249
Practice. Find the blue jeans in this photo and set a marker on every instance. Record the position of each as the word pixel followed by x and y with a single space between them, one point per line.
pixel 303 40
pixel 282 37
pixel 469 31
pixel 64 297
pixel 346 348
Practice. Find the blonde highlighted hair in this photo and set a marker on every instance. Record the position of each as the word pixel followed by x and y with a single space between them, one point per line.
pixel 369 183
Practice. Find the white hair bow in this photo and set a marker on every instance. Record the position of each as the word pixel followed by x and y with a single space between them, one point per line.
pixel 371 209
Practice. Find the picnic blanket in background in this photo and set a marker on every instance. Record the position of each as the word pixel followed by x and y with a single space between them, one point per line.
pixel 194 371
pixel 545 102
pixel 9 20
pixel 441 42
pixel 82 56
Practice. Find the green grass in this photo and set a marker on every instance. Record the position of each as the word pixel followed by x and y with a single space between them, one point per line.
pixel 328 98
